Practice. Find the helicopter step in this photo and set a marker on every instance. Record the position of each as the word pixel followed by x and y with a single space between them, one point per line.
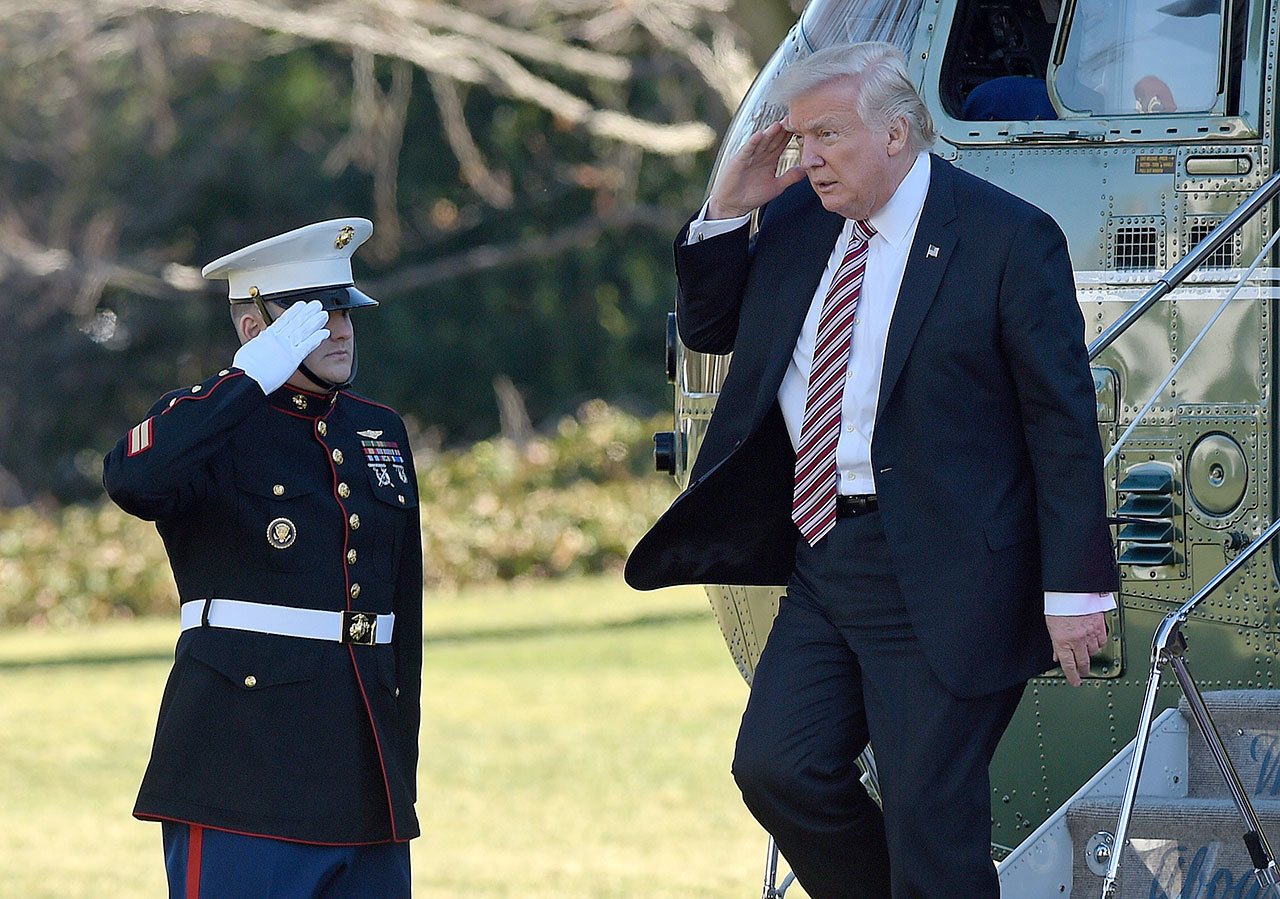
pixel 1188 848
pixel 1188 843
pixel 1249 724
pixel 1185 837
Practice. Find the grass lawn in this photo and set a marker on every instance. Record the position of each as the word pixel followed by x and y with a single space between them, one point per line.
pixel 576 743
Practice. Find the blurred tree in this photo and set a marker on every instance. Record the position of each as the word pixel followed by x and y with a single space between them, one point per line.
pixel 525 163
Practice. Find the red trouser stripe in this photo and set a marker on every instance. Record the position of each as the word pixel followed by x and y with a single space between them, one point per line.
pixel 196 837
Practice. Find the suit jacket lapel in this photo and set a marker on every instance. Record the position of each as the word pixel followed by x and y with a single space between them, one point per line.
pixel 926 263
pixel 811 243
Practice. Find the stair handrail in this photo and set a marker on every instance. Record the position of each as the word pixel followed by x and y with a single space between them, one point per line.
pixel 1221 233
pixel 1167 647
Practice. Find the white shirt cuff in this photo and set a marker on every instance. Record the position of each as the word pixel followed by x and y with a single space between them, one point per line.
pixel 700 228
pixel 1078 603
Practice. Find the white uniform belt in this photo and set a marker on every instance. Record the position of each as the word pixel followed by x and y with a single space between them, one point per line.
pixel 312 624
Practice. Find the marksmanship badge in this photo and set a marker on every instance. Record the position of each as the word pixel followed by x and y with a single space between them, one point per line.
pixel 378 454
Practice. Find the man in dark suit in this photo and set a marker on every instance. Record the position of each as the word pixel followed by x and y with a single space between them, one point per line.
pixel 906 438
pixel 285 755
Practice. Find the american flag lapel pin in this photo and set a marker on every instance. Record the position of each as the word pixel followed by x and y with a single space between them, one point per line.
pixel 932 252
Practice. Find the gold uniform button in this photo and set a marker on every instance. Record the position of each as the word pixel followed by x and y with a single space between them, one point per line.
pixel 278 489
pixel 251 681
pixel 351 557
pixel 397 692
pixel 354 521
pixel 355 591
pixel 400 496
pixel 224 373
pixel 337 456
pixel 196 389
pixel 322 428
pixel 343 490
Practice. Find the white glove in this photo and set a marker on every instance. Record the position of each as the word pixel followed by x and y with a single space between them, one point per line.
pixel 273 356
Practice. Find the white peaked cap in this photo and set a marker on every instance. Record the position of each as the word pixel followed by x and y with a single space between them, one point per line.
pixel 312 256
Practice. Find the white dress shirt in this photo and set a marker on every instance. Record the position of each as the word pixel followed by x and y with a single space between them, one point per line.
pixel 895 225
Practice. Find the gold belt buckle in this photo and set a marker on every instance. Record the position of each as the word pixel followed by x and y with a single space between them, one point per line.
pixel 359 628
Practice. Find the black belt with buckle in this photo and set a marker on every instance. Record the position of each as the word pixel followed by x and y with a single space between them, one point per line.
pixel 848 506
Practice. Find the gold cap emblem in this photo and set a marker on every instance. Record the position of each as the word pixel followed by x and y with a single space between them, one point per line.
pixel 345 236
pixel 281 533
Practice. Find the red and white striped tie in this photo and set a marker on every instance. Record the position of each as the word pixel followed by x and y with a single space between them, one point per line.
pixel 813 506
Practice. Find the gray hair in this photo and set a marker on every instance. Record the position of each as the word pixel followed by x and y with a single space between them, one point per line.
pixel 886 93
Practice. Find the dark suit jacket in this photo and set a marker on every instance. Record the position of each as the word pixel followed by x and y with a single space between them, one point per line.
pixel 321 746
pixel 986 453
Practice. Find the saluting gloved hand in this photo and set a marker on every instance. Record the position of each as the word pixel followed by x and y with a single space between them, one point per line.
pixel 273 356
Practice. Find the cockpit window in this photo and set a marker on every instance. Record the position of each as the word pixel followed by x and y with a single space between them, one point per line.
pixel 1142 56
pixel 996 60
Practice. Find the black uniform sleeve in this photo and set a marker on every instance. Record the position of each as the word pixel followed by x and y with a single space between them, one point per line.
pixel 407 605
pixel 158 469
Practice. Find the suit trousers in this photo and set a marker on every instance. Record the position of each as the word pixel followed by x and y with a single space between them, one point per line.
pixel 842 666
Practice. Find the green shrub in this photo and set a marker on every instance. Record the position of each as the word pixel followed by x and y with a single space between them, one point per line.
pixel 565 504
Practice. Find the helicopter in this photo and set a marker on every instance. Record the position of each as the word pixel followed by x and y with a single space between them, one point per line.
pixel 1147 129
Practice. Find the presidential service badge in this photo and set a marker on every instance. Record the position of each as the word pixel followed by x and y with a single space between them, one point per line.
pixel 281 533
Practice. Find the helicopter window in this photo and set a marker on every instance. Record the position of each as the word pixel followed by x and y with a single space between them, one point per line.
pixel 1143 56
pixel 996 59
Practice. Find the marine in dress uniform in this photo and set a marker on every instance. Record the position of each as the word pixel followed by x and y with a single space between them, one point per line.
pixel 286 749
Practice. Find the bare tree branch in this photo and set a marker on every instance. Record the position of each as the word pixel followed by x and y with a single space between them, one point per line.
pixel 726 67
pixel 373 143
pixel 518 43
pixel 456 56
pixel 495 189
pixel 540 246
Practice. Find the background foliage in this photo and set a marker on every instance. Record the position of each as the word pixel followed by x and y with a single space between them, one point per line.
pixel 525 162
pixel 571 503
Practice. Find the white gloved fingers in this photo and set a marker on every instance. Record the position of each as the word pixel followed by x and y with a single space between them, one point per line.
pixel 307 345
pixel 299 322
pixel 274 354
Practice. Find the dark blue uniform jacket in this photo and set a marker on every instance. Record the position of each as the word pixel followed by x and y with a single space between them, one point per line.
pixel 306 740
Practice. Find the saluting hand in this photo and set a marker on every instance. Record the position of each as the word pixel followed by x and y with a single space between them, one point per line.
pixel 1075 638
pixel 750 179
pixel 275 353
